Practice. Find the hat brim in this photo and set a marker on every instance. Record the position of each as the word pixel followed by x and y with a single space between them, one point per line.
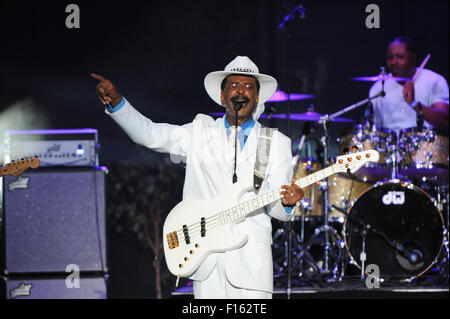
pixel 213 80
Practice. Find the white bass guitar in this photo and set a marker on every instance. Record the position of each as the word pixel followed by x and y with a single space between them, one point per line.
pixel 195 229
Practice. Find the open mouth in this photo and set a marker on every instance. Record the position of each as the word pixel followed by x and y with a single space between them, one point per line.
pixel 243 100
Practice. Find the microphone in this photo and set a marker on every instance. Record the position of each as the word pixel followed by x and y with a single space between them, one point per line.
pixel 305 131
pixel 290 16
pixel 369 115
pixel 414 257
pixel 238 105
pixel 238 101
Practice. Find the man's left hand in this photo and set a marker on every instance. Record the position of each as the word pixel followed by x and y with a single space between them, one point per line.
pixel 408 92
pixel 291 194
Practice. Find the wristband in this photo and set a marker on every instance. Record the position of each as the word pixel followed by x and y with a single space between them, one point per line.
pixel 413 104
pixel 112 109
pixel 289 209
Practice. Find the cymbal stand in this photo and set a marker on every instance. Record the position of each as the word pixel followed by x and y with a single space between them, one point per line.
pixel 393 151
pixel 325 198
pixel 304 207
pixel 329 118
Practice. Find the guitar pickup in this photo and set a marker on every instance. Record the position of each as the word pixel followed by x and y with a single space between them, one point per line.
pixel 203 227
pixel 186 235
pixel 172 240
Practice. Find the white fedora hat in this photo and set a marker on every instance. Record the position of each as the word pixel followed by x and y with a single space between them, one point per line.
pixel 241 65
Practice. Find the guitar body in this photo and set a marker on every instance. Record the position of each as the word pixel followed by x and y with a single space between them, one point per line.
pixel 184 258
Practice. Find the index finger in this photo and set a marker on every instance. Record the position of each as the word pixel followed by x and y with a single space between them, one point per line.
pixel 97 77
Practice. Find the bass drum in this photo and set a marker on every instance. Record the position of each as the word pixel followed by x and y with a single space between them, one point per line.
pixel 397 212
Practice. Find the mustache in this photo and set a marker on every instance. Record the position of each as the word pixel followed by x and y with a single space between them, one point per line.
pixel 240 99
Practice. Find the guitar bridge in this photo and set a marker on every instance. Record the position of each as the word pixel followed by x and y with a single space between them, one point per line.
pixel 172 240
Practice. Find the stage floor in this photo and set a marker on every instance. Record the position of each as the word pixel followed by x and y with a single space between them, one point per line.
pixel 350 288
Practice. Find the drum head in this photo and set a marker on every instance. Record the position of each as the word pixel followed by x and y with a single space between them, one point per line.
pixel 396 212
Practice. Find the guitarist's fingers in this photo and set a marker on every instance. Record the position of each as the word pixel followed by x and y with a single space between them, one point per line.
pixel 291 194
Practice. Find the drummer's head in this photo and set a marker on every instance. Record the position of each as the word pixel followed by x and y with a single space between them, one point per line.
pixel 401 57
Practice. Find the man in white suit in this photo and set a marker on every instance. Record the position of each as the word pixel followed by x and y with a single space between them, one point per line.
pixel 209 147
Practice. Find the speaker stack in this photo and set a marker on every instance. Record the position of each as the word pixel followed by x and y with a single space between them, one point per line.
pixel 52 233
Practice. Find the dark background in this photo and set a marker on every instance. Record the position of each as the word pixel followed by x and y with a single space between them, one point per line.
pixel 157 54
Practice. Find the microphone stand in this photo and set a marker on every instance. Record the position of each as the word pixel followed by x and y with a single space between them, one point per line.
pixel 237 107
pixel 368 229
pixel 285 25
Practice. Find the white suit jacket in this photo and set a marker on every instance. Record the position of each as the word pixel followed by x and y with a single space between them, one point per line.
pixel 209 168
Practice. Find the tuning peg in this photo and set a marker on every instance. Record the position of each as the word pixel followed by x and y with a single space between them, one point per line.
pixel 372 145
pixel 355 148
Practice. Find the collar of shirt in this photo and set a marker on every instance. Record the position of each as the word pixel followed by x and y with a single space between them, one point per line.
pixel 245 127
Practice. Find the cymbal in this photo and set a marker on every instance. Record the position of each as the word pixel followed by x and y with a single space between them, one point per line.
pixel 308 116
pixel 280 96
pixel 379 77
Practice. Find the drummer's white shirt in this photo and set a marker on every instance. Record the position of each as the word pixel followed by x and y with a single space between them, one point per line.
pixel 393 112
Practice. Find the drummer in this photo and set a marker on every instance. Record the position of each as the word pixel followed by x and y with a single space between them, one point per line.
pixel 399 108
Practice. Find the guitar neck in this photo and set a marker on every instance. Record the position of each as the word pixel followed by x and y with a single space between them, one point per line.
pixel 315 177
pixel 242 210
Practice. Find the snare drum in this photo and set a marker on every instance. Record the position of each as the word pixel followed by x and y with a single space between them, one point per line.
pixel 397 212
pixel 424 153
pixel 363 138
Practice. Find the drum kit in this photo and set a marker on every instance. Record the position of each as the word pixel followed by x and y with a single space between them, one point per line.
pixel 392 214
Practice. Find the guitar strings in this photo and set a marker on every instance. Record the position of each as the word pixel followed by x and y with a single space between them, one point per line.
pixel 236 208
pixel 215 220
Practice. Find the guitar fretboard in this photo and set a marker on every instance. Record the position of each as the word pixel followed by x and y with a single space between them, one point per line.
pixel 315 177
pixel 247 207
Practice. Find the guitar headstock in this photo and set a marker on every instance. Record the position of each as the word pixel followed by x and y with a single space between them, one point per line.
pixel 18 167
pixel 350 163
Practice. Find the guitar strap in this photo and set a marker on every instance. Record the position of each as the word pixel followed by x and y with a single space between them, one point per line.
pixel 262 155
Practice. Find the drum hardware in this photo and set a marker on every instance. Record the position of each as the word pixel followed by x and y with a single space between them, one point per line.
pixel 333 250
pixel 325 120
